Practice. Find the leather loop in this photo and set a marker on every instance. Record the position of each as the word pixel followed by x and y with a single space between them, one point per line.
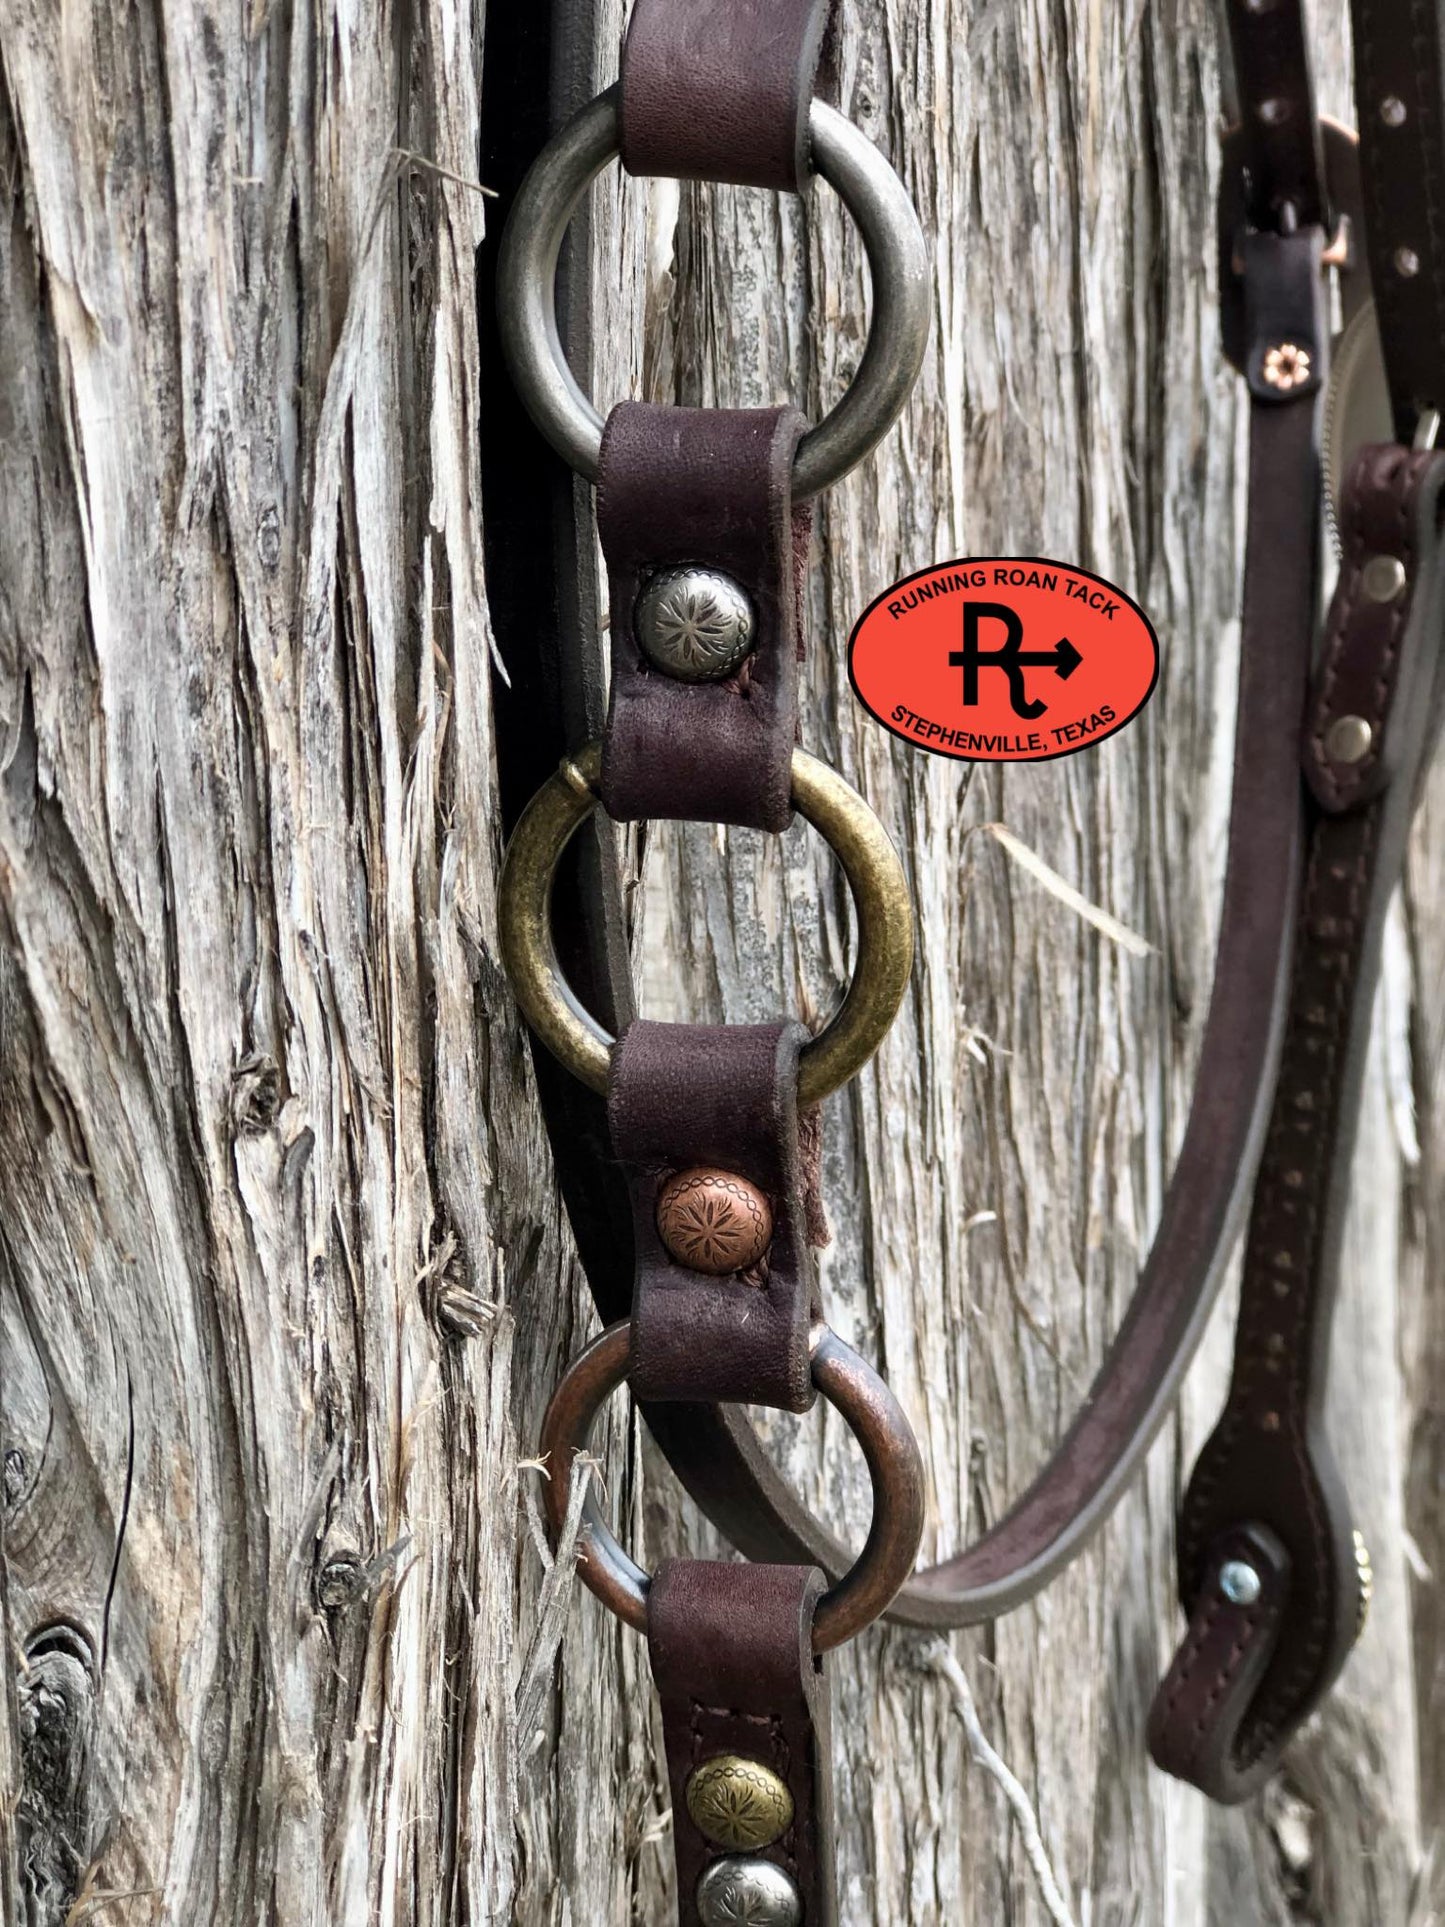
pixel 710 486
pixel 1390 511
pixel 732 1655
pixel 718 90
pixel 1286 318
pixel 685 1095
pixel 1195 1721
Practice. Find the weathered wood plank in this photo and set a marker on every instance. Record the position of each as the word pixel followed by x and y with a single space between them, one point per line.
pixel 283 1280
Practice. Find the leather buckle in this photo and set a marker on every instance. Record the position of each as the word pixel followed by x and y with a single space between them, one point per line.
pixel 1341 250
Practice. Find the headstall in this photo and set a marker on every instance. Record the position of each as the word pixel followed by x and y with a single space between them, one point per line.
pixel 712 1131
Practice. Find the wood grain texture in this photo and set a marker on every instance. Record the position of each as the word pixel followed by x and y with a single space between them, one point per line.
pixel 284 1281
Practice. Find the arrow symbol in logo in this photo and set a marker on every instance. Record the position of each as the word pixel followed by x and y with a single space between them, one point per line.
pixel 1010 656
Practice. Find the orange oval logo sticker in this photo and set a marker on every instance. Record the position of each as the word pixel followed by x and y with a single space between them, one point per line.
pixel 1003 659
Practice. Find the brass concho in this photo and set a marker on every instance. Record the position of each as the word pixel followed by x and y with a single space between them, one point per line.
pixel 739 1803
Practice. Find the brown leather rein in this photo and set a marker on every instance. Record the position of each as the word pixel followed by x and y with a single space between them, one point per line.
pixel 711 1140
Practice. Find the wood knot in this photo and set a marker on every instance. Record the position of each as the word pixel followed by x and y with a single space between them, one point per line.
pixel 255 1094
pixel 339 1582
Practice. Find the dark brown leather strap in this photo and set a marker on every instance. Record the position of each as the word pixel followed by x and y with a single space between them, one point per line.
pixel 1205 1696
pixel 1267 1466
pixel 1281 131
pixel 718 90
pixel 1209 1193
pixel 725 1097
pixel 710 486
pixel 1398 79
pixel 732 1655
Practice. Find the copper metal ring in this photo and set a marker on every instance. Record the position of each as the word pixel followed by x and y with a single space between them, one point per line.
pixel 836 811
pixel 898 267
pixel 849 1383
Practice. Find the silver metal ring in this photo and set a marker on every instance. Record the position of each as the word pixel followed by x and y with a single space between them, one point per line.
pixel 897 260
pixel 850 1384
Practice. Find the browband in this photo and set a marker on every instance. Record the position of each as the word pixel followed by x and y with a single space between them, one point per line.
pixel 1332 739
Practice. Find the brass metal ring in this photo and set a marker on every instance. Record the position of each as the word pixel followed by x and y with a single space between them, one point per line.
pixel 836 811
pixel 849 1383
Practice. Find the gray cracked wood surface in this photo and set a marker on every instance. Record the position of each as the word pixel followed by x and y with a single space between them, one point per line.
pixel 283 1276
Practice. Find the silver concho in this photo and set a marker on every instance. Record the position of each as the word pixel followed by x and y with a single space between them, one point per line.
pixel 743 1891
pixel 695 624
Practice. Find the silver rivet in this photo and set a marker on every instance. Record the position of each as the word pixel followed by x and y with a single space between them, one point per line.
pixel 1348 740
pixel 1239 1582
pixel 1383 577
pixel 740 1891
pixel 1392 111
pixel 695 624
pixel 1407 262
pixel 1274 113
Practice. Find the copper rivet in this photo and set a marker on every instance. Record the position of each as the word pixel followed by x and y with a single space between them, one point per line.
pixel 1383 577
pixel 1407 262
pixel 1286 366
pixel 1348 739
pixel 1270 1422
pixel 739 1803
pixel 713 1221
pixel 1392 111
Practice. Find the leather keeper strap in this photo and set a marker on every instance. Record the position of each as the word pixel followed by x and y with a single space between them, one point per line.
pixel 732 1655
pixel 1266 1469
pixel 718 90
pixel 684 1096
pixel 1399 72
pixel 709 486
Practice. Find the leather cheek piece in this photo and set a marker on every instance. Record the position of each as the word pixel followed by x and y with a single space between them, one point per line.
pixel 718 90
pixel 726 1096
pixel 713 487
pixel 732 1656
pixel 1397 60
pixel 1277 112
pixel 1267 1464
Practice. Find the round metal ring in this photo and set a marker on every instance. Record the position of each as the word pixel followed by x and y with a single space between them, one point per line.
pixel 849 1383
pixel 897 259
pixel 836 811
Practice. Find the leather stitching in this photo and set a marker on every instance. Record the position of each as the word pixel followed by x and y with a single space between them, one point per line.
pixel 1319 986
pixel 1343 783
